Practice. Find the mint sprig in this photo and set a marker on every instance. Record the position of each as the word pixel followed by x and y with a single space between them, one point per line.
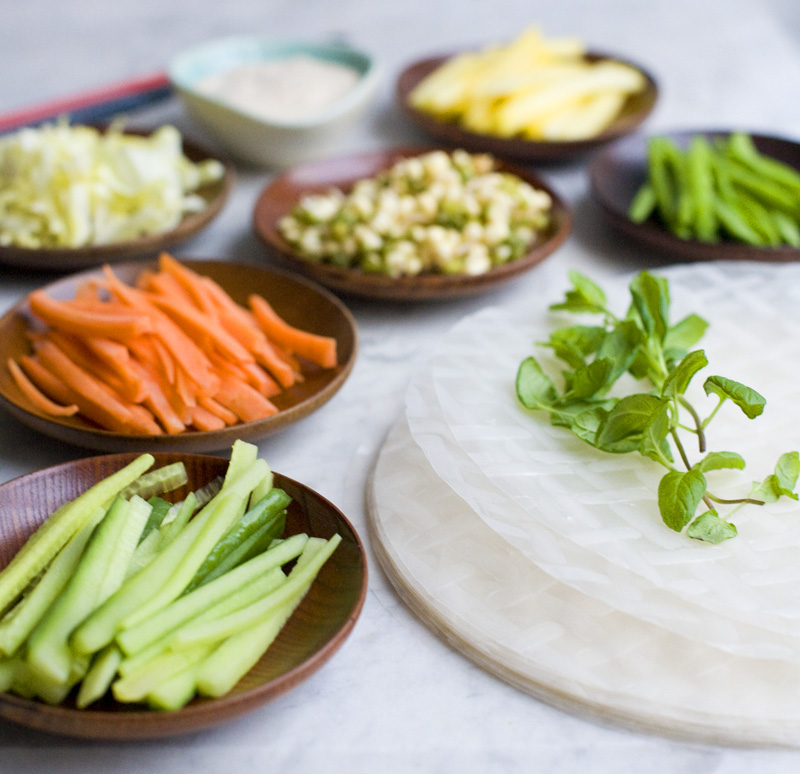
pixel 655 421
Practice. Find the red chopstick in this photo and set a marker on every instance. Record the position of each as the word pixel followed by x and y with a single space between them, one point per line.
pixel 94 105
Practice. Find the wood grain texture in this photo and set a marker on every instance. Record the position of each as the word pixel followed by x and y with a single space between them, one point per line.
pixel 634 112
pixel 298 301
pixel 284 192
pixel 312 635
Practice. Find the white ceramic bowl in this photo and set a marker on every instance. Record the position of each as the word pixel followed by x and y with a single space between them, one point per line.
pixel 253 139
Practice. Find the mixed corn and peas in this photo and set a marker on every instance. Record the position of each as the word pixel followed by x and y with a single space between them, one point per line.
pixel 444 213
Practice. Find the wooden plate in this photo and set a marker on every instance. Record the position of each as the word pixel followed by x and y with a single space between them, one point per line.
pixel 72 258
pixel 636 109
pixel 617 172
pixel 312 635
pixel 300 302
pixel 280 196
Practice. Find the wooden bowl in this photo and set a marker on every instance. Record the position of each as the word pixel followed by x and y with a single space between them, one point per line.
pixel 634 112
pixel 312 635
pixel 72 258
pixel 284 192
pixel 300 302
pixel 617 172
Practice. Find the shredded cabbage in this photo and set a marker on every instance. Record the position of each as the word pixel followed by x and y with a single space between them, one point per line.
pixel 73 186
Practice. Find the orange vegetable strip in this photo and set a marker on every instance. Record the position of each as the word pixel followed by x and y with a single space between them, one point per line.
pixel 165 285
pixel 92 390
pixel 320 350
pixel 74 319
pixel 184 390
pixel 203 419
pixel 190 281
pixel 157 401
pixel 36 396
pixel 181 347
pixel 248 404
pixel 121 383
pixel 251 373
pixel 226 415
pixel 198 326
pixel 58 389
pixel 242 323
pixel 149 349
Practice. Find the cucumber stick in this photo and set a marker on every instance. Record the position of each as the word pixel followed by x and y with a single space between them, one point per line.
pixel 186 607
pixel 16 627
pixel 98 574
pixel 53 534
pixel 98 679
pixel 300 578
pixel 171 570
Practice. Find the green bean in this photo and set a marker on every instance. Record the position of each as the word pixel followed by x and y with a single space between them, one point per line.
pixel 701 179
pixel 643 203
pixel 734 224
pixel 742 148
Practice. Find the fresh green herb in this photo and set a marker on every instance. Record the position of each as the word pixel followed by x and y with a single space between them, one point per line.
pixel 655 421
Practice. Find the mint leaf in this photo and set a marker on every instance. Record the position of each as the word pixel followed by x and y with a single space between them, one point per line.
pixel 685 334
pixel 748 400
pixel 586 296
pixel 623 427
pixel 573 344
pixel 711 528
pixel 654 435
pixel 782 482
pixel 534 387
pixel 590 379
pixel 678 379
pixel 621 346
pixel 651 301
pixel 679 494
pixel 719 461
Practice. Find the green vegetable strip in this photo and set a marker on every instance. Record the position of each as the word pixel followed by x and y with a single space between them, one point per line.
pixel 52 536
pixel 98 575
pixel 159 509
pixel 643 204
pixel 136 686
pixel 157 482
pixel 177 519
pixel 98 679
pixel 259 541
pixel 297 583
pixel 16 627
pixel 8 672
pixel 190 605
pixel 237 655
pixel 175 692
pixel 700 178
pixel 167 571
pixel 235 501
pixel 268 509
pixel 237 600
pixel 742 148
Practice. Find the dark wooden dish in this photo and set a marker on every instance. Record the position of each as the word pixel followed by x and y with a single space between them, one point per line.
pixel 617 172
pixel 300 302
pixel 285 191
pixel 72 258
pixel 636 109
pixel 312 635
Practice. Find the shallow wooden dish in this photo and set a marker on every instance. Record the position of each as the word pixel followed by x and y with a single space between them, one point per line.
pixel 312 635
pixel 73 258
pixel 280 196
pixel 297 300
pixel 636 109
pixel 617 172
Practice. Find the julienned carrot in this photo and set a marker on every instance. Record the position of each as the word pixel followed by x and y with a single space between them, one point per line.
pixel 320 350
pixel 173 353
pixel 247 403
pixel 93 391
pixel 75 319
pixel 36 396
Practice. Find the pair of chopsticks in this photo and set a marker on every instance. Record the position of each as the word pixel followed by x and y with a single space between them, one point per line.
pixel 95 105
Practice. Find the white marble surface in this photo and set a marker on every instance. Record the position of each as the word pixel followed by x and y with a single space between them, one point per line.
pixel 396 698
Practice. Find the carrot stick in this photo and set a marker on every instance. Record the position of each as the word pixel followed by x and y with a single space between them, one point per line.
pixel 157 401
pixel 200 329
pixel 226 415
pixel 203 419
pixel 74 319
pixel 248 404
pixel 92 390
pixel 36 396
pixel 189 280
pixel 320 350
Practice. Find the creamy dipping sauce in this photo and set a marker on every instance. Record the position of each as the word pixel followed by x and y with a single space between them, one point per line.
pixel 290 89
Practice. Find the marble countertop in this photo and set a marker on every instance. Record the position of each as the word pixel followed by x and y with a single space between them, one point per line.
pixel 396 697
